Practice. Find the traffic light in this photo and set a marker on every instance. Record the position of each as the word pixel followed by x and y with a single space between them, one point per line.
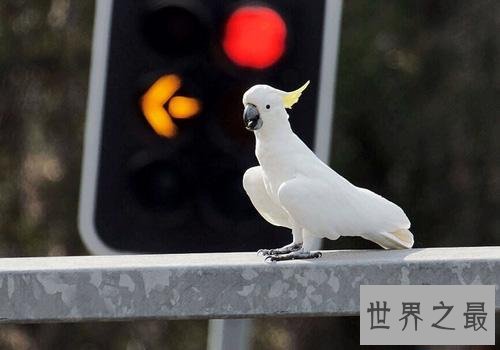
pixel 165 144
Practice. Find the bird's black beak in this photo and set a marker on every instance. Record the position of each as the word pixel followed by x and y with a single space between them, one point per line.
pixel 251 117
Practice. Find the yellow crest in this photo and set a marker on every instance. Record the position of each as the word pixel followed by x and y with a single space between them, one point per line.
pixel 290 98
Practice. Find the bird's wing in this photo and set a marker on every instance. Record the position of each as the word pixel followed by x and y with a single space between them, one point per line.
pixel 309 204
pixel 381 210
pixel 253 183
pixel 330 209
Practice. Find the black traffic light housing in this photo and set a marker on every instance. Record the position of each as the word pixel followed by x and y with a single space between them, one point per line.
pixel 178 192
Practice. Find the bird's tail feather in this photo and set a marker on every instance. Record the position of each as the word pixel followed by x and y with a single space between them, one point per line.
pixel 400 239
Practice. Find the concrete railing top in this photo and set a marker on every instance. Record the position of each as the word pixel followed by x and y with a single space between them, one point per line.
pixel 237 285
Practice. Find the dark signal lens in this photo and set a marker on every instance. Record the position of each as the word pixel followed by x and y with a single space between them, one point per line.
pixel 176 31
pixel 158 185
pixel 255 37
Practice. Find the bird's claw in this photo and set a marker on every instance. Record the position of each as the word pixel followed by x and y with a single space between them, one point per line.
pixel 268 252
pixel 270 258
pixel 293 256
pixel 264 252
pixel 283 250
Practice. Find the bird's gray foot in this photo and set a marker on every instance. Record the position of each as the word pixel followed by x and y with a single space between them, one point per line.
pixel 294 256
pixel 289 248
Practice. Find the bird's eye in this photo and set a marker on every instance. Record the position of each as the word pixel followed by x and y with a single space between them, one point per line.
pixel 268 106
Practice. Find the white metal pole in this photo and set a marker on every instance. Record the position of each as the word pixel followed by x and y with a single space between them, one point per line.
pixel 229 334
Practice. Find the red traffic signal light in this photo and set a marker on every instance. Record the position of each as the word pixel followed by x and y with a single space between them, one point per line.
pixel 255 37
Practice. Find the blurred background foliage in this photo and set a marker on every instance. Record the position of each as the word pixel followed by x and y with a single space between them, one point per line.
pixel 416 119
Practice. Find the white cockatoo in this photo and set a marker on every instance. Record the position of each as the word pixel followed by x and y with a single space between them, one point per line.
pixel 293 188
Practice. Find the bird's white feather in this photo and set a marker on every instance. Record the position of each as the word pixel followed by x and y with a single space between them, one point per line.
pixel 253 183
pixel 294 188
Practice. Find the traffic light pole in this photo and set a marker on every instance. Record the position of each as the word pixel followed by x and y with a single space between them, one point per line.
pixel 235 334
pixel 229 334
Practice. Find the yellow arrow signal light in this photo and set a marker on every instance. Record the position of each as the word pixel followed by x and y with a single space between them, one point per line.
pixel 181 107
